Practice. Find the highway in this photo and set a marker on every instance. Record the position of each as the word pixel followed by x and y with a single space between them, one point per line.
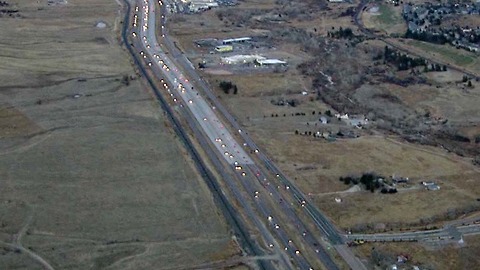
pixel 206 124
pixel 183 94
pixel 323 224
pixel 253 188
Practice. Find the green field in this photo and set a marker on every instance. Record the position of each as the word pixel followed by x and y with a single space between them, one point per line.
pixel 388 15
pixel 458 57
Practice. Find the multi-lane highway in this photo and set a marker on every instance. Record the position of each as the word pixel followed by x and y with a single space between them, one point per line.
pixel 268 202
pixel 263 200
pixel 185 96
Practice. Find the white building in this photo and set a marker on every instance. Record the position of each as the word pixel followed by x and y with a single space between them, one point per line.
pixel 265 62
pixel 232 40
pixel 241 59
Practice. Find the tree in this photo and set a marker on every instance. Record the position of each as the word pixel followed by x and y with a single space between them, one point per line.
pixel 444 68
pixel 226 86
pixel 296 132
pixel 235 89
pixel 469 84
pixel 328 113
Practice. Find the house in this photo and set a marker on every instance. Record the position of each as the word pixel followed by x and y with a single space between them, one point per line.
pixel 398 180
pixel 433 187
pixel 340 116
pixel 323 120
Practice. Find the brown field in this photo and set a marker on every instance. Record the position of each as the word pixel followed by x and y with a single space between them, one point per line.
pixel 315 164
pixel 92 177
pixel 450 257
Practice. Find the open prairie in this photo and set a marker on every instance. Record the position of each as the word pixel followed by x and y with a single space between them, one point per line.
pixel 92 177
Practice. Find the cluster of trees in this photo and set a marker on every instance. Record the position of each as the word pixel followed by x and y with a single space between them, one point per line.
pixel 401 60
pixel 370 181
pixel 426 36
pixel 465 79
pixel 444 36
pixel 227 86
pixel 341 33
pixel 4 4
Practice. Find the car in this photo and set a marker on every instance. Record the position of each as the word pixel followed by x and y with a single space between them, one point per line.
pixel 297 252
pixel 270 245
pixel 205 119
pixel 256 194
pixel 277 226
pixel 218 139
pixel 190 101
pixel 244 173
pixel 134 34
pixel 223 145
pixel 270 218
pixel 238 167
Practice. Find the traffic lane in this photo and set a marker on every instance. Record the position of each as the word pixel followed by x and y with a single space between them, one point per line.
pixel 303 232
pixel 174 75
pixel 214 127
pixel 277 229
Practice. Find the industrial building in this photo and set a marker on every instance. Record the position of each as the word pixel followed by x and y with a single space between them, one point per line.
pixel 269 62
pixel 237 40
pixel 198 5
pixel 242 59
pixel 224 48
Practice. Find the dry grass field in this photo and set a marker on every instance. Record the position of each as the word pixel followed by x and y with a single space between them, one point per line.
pixel 92 176
pixel 315 164
pixel 450 257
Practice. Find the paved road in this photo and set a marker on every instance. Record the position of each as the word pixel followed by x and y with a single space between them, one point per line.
pixel 182 93
pixel 294 194
pixel 187 97
pixel 418 235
